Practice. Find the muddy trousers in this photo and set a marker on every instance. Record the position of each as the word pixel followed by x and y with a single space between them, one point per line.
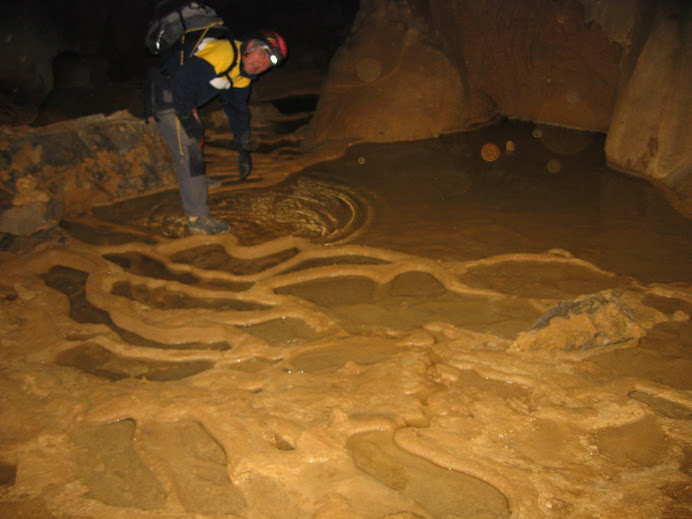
pixel 189 164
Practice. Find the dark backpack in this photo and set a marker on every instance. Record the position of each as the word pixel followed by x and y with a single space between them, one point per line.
pixel 175 20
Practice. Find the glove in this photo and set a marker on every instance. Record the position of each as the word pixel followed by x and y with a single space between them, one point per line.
pixel 244 163
pixel 193 127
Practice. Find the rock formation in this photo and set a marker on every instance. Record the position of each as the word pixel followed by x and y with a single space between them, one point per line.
pixel 75 165
pixel 413 69
pixel 650 134
pixel 388 83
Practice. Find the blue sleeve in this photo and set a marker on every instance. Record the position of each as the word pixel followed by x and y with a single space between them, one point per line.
pixel 235 104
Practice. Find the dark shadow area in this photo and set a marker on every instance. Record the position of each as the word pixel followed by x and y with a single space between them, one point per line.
pixel 296 104
pixel 97 360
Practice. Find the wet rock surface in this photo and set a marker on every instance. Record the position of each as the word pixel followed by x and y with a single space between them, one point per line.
pixel 366 342
pixel 394 331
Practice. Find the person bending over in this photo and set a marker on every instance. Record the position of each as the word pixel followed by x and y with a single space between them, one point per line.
pixel 214 66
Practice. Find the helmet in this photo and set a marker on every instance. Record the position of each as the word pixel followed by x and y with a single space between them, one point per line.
pixel 276 46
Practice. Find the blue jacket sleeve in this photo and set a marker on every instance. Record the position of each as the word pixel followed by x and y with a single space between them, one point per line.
pixel 235 104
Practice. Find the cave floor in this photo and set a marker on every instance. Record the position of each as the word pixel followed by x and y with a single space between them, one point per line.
pixel 394 331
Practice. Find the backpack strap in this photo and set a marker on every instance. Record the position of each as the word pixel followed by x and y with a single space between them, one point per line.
pixel 214 30
pixel 221 32
pixel 226 73
pixel 203 31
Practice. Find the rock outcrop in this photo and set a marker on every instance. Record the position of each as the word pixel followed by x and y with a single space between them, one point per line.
pixel 69 167
pixel 608 318
pixel 390 82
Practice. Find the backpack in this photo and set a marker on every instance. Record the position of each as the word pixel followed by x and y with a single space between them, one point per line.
pixel 175 21
pixel 166 35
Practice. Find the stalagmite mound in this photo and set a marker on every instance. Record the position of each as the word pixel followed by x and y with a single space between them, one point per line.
pixel 390 82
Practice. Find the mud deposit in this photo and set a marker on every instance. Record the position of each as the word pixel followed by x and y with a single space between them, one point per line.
pixel 401 331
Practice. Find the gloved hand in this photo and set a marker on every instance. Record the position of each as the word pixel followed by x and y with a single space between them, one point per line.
pixel 192 126
pixel 244 163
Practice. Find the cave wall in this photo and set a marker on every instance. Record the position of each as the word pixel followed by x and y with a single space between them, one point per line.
pixel 536 60
pixel 413 69
pixel 29 40
pixel 650 134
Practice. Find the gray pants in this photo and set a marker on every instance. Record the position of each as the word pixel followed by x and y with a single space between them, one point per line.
pixel 189 163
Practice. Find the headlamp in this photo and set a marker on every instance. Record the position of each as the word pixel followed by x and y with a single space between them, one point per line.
pixel 272 56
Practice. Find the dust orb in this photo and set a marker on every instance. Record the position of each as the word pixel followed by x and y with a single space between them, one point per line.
pixel 490 152
pixel 553 166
